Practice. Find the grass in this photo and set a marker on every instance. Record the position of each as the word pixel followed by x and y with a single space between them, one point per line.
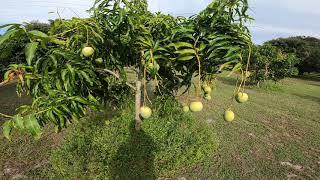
pixel 275 135
pixel 114 150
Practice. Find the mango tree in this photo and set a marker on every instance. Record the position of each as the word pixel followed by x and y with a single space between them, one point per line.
pixel 270 63
pixel 83 62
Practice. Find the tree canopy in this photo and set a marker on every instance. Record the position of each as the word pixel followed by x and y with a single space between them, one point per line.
pixel 307 49
pixel 64 83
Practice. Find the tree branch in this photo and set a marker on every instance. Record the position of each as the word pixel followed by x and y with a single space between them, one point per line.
pixel 103 71
pixel 3 83
pixel 6 116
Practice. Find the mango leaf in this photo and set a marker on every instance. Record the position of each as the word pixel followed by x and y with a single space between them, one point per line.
pixel 8 35
pixel 178 45
pixel 226 64
pixel 202 46
pixel 185 58
pixel 38 34
pixel 144 42
pixel 18 121
pixel 32 125
pixel 72 71
pixel 66 109
pixel 86 77
pixel 30 51
pixel 236 68
pixel 57 41
pixel 80 100
pixel 92 98
pixel 6 25
pixel 6 75
pixel 7 127
pixel 97 35
pixel 186 51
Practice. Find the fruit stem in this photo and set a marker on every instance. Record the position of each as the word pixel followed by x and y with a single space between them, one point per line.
pixel 247 68
pixel 242 80
pixel 144 85
pixel 87 35
pixel 199 65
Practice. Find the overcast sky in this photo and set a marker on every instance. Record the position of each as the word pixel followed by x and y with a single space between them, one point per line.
pixel 273 18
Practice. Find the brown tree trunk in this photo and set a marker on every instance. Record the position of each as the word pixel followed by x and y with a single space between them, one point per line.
pixel 266 75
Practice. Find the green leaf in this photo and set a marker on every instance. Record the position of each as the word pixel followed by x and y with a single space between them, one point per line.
pixel 7 127
pixel 81 100
pixel 6 75
pixel 144 41
pixel 236 68
pixel 186 51
pixel 32 125
pixel 92 99
pixel 202 46
pixel 178 45
pixel 18 122
pixel 72 71
pixel 30 51
pixel 6 25
pixel 226 64
pixel 53 60
pixel 185 58
pixel 8 35
pixel 66 109
pixel 23 109
pixel 97 35
pixel 86 77
pixel 57 41
pixel 38 34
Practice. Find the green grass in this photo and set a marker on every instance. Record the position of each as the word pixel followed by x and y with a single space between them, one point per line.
pixel 169 142
pixel 275 134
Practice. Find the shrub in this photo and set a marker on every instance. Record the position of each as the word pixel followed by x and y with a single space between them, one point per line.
pixel 168 143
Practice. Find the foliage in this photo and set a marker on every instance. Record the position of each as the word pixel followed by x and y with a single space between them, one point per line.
pixel 111 148
pixel 64 84
pixel 13 51
pixel 307 49
pixel 270 63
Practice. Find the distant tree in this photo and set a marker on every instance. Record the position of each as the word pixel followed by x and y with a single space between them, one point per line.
pixel 270 63
pixel 307 49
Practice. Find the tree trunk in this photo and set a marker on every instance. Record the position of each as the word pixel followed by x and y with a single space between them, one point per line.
pixel 266 74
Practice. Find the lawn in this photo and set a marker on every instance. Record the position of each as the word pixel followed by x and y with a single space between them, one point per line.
pixel 275 135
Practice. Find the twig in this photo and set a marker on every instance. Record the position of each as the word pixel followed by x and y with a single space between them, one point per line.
pixel 247 67
pixel 6 116
pixel 65 32
pixel 116 76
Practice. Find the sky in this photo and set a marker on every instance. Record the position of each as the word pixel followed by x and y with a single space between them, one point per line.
pixel 273 18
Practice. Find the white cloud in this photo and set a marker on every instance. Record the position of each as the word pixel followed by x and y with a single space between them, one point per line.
pixel 267 28
pixel 27 10
pixel 310 7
